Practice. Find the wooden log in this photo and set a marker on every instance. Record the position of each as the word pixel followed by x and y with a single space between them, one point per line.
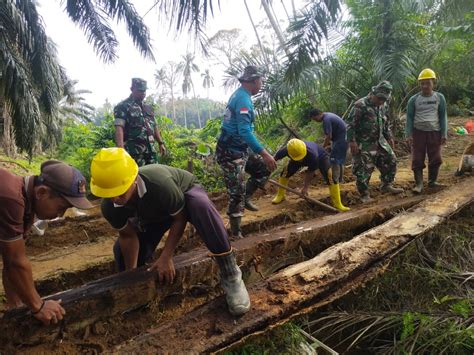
pixel 259 254
pixel 302 287
pixel 307 198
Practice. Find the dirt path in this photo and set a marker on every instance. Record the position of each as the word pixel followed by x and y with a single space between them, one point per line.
pixel 77 243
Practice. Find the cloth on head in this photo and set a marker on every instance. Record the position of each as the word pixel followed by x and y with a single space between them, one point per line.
pixel 382 89
pixel 139 84
pixel 250 73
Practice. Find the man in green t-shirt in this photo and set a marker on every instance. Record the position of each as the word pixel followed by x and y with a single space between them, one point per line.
pixel 143 203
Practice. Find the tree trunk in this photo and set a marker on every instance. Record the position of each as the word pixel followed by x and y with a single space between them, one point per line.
pixel 267 61
pixel 197 108
pixel 7 136
pixel 275 26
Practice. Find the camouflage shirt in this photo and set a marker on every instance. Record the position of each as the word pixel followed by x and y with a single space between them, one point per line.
pixel 138 123
pixel 367 125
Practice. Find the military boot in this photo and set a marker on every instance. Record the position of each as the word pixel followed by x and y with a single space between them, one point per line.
pixel 433 177
pixel 365 197
pixel 236 293
pixel 250 188
pixel 235 229
pixel 389 188
pixel 418 174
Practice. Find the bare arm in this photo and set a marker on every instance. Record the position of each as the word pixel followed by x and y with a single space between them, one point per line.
pixel 129 245
pixel 159 139
pixel 119 136
pixel 164 265
pixel 327 141
pixel 17 269
pixel 308 176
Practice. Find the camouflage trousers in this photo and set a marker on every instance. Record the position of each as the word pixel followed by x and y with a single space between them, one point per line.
pixel 235 165
pixel 363 165
pixel 141 153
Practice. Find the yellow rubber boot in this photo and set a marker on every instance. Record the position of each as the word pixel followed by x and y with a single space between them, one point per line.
pixel 280 196
pixel 336 198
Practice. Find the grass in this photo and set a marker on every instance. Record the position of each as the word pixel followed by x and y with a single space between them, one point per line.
pixel 22 165
pixel 423 303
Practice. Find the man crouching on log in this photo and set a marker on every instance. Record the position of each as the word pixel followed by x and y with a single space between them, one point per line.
pixel 58 187
pixel 143 203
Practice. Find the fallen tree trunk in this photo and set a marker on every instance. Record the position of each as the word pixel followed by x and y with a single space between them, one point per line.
pixel 259 255
pixel 303 287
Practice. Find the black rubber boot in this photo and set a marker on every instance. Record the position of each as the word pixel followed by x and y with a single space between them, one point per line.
pixel 418 174
pixel 365 197
pixel 250 188
pixel 433 177
pixel 235 229
pixel 389 188
pixel 237 297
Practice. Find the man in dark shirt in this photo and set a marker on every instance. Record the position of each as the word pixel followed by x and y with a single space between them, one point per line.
pixel 310 155
pixel 142 204
pixel 58 187
pixel 334 130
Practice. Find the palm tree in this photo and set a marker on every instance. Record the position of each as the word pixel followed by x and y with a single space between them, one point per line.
pixel 168 77
pixel 187 67
pixel 207 83
pixel 31 77
pixel 73 104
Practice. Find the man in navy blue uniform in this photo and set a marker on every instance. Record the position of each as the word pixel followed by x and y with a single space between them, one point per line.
pixel 334 130
pixel 313 157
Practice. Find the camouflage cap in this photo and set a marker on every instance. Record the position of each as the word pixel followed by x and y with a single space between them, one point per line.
pixel 382 90
pixel 139 84
pixel 250 73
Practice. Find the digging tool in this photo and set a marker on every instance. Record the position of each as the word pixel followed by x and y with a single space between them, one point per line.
pixel 307 198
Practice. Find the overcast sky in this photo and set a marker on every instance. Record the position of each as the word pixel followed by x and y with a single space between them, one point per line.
pixel 112 81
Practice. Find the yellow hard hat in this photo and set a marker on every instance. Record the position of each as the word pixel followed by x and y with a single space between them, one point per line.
pixel 296 149
pixel 113 171
pixel 427 74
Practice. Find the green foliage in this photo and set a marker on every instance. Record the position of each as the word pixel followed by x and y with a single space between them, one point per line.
pixel 282 340
pixel 423 304
pixel 82 141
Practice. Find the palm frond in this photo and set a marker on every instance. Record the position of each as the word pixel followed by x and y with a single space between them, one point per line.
pixel 92 21
pixel 19 94
pixel 123 10
pixel 307 32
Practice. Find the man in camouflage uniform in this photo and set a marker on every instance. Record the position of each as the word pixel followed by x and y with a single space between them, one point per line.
pixel 371 141
pixel 238 151
pixel 135 126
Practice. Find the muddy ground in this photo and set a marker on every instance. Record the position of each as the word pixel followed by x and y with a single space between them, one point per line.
pixel 78 249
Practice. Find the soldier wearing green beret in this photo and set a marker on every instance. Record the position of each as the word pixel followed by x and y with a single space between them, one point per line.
pixel 135 126
pixel 371 141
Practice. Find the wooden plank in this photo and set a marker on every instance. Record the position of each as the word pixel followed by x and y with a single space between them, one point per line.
pixel 258 254
pixel 305 286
